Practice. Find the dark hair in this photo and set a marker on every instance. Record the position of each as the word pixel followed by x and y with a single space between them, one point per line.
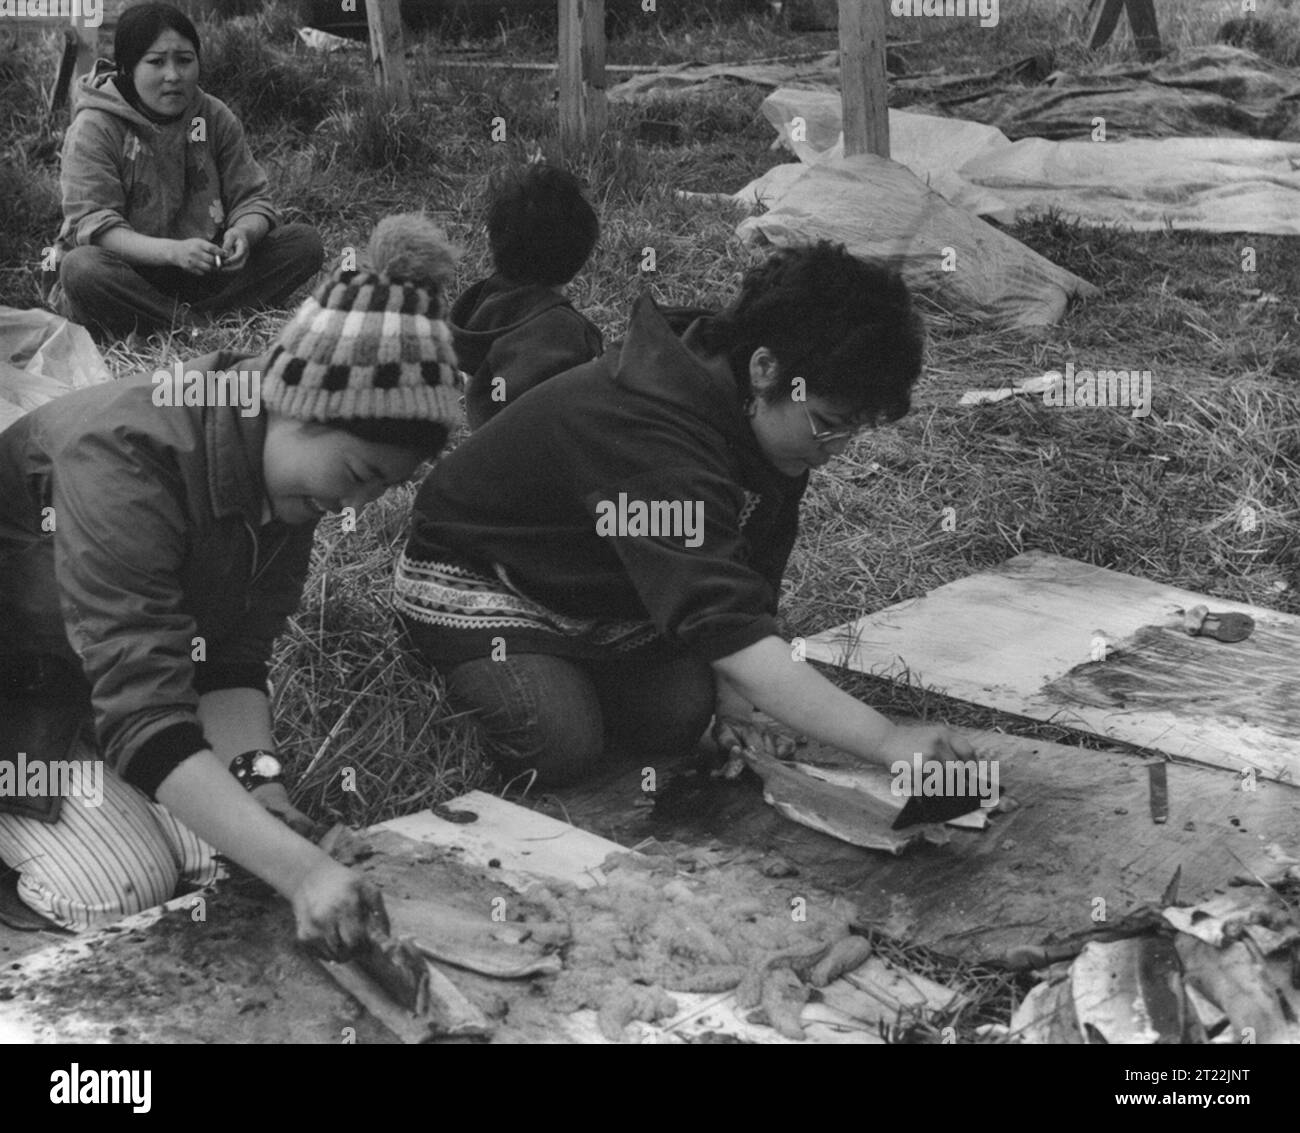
pixel 425 437
pixel 540 226
pixel 845 325
pixel 137 29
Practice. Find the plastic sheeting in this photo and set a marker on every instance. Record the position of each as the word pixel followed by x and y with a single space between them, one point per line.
pixel 41 357
pixel 877 208
pixel 1200 91
pixel 1211 184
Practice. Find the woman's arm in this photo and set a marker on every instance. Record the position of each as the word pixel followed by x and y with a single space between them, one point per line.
pixel 794 693
pixel 245 190
pixel 730 701
pixel 331 903
pixel 196 256
pixel 236 721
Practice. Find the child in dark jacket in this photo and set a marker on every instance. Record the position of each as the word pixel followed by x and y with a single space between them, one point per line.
pixel 155 535
pixel 515 329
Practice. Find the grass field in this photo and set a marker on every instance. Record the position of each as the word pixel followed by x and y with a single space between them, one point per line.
pixel 1160 497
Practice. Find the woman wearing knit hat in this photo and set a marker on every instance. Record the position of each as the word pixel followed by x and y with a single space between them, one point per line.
pixel 166 215
pixel 151 548
pixel 596 571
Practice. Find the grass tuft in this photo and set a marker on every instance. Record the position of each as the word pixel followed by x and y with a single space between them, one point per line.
pixel 268 86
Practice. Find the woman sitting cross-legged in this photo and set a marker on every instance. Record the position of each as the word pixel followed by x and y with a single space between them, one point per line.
pixel 166 216
pixel 597 569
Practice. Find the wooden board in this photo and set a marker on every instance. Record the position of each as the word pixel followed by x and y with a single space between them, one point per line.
pixel 1083 831
pixel 529 846
pixel 1021 638
pixel 526 846
pixel 503 833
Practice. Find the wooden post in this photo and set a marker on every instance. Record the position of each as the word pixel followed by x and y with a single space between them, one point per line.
pixel 1146 33
pixel 864 86
pixel 1103 16
pixel 88 51
pixel 81 45
pixel 582 73
pixel 387 52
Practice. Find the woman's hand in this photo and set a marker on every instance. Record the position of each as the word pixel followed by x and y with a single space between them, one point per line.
pixel 334 907
pixel 234 249
pixel 933 741
pixel 734 734
pixel 336 911
pixel 198 257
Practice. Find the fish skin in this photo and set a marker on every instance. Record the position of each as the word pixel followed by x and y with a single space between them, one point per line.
pixel 844 813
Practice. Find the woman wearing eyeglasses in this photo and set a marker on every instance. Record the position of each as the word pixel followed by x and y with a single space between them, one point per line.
pixel 596 571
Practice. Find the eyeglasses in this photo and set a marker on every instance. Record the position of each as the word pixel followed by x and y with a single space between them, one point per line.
pixel 828 436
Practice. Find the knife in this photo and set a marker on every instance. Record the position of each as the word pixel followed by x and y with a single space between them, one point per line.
pixel 921 809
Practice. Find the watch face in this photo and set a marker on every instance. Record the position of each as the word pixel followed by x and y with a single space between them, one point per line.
pixel 266 766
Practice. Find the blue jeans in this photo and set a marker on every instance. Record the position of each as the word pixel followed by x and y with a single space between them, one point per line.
pixel 565 718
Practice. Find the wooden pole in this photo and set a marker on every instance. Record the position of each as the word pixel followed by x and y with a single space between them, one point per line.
pixel 864 86
pixel 1103 16
pixel 387 52
pixel 582 73
pixel 1146 32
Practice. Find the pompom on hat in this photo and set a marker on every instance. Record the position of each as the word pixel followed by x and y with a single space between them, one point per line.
pixel 373 346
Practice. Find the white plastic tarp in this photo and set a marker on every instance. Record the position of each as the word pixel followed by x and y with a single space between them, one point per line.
pixel 879 209
pixel 41 357
pixel 1211 184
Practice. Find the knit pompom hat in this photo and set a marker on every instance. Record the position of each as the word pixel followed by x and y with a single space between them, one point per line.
pixel 372 346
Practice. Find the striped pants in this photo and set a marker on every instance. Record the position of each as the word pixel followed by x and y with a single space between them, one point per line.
pixel 97 864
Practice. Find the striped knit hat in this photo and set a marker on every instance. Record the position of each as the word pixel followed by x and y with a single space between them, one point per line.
pixel 372 347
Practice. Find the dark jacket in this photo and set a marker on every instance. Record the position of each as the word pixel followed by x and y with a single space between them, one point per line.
pixel 127 532
pixel 522 334
pixel 654 420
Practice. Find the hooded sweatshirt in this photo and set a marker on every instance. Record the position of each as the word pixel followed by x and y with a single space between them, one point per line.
pixel 528 533
pixel 193 177
pixel 522 333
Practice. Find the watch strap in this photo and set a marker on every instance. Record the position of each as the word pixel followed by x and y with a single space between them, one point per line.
pixel 256 768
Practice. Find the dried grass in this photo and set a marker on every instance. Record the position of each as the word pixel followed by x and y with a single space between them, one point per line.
pixel 1161 497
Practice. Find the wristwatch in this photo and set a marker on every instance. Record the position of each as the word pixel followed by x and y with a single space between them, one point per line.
pixel 256 768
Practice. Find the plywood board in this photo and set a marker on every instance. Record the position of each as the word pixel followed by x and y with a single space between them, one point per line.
pixel 505 838
pixel 1022 638
pixel 1080 846
pixel 525 845
pixel 529 846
